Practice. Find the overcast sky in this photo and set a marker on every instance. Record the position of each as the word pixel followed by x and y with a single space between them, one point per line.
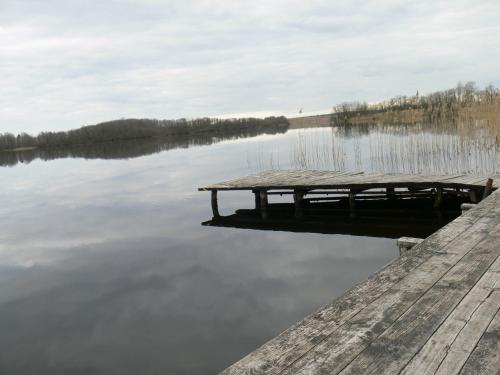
pixel 67 63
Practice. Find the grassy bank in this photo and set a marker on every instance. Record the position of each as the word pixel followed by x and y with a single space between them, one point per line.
pixel 461 103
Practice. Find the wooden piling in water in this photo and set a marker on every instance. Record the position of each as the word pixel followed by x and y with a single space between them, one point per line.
pixel 215 204
pixel 257 199
pixel 298 201
pixel 390 193
pixel 352 199
pixel 439 197
pixel 263 204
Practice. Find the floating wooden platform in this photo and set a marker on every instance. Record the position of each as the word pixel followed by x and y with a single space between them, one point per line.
pixel 307 180
pixel 434 310
pixel 354 186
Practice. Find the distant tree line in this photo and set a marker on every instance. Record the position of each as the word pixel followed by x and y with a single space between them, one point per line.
pixel 126 129
pixel 130 148
pixel 433 105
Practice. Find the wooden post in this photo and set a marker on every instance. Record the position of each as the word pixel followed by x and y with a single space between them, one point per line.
pixel 215 205
pixel 488 187
pixel 467 206
pixel 390 192
pixel 439 197
pixel 406 243
pixel 257 199
pixel 297 198
pixel 352 199
pixel 263 204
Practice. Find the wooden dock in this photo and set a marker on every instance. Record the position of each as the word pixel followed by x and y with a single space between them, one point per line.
pixel 433 310
pixel 354 186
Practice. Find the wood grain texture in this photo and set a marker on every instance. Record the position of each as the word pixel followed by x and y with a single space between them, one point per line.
pixel 432 355
pixel 485 359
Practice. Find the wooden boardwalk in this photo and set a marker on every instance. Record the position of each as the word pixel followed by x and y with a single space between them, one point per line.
pixel 434 310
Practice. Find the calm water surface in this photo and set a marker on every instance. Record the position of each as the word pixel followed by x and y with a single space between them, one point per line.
pixel 105 268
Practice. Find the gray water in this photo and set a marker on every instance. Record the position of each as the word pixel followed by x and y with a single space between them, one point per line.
pixel 105 268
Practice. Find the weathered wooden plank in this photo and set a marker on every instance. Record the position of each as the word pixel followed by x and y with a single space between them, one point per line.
pixel 340 348
pixel 467 339
pixel 391 351
pixel 431 355
pixel 328 177
pixel 485 359
pixel 449 178
pixel 311 178
pixel 467 179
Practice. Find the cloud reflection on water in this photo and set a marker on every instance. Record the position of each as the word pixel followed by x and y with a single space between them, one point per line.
pixel 106 269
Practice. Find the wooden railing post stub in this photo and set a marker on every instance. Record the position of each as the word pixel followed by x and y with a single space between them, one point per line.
pixel 488 187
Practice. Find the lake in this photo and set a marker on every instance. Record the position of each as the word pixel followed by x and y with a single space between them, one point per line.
pixel 105 267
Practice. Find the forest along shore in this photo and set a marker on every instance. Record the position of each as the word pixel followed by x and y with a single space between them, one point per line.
pixel 134 129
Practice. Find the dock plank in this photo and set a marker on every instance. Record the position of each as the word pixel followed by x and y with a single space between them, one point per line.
pixel 391 351
pixel 485 359
pixel 432 354
pixel 467 339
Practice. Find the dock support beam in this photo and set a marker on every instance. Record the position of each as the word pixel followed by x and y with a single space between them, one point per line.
pixel 439 197
pixel 215 204
pixel 352 199
pixel 257 199
pixel 390 193
pixel 297 198
pixel 263 204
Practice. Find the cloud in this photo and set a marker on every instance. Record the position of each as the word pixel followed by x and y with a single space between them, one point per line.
pixel 68 63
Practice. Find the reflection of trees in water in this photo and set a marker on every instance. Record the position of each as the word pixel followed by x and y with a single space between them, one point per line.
pixel 125 149
pixel 456 147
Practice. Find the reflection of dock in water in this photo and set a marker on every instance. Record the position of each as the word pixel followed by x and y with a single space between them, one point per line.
pixel 434 310
pixel 333 219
